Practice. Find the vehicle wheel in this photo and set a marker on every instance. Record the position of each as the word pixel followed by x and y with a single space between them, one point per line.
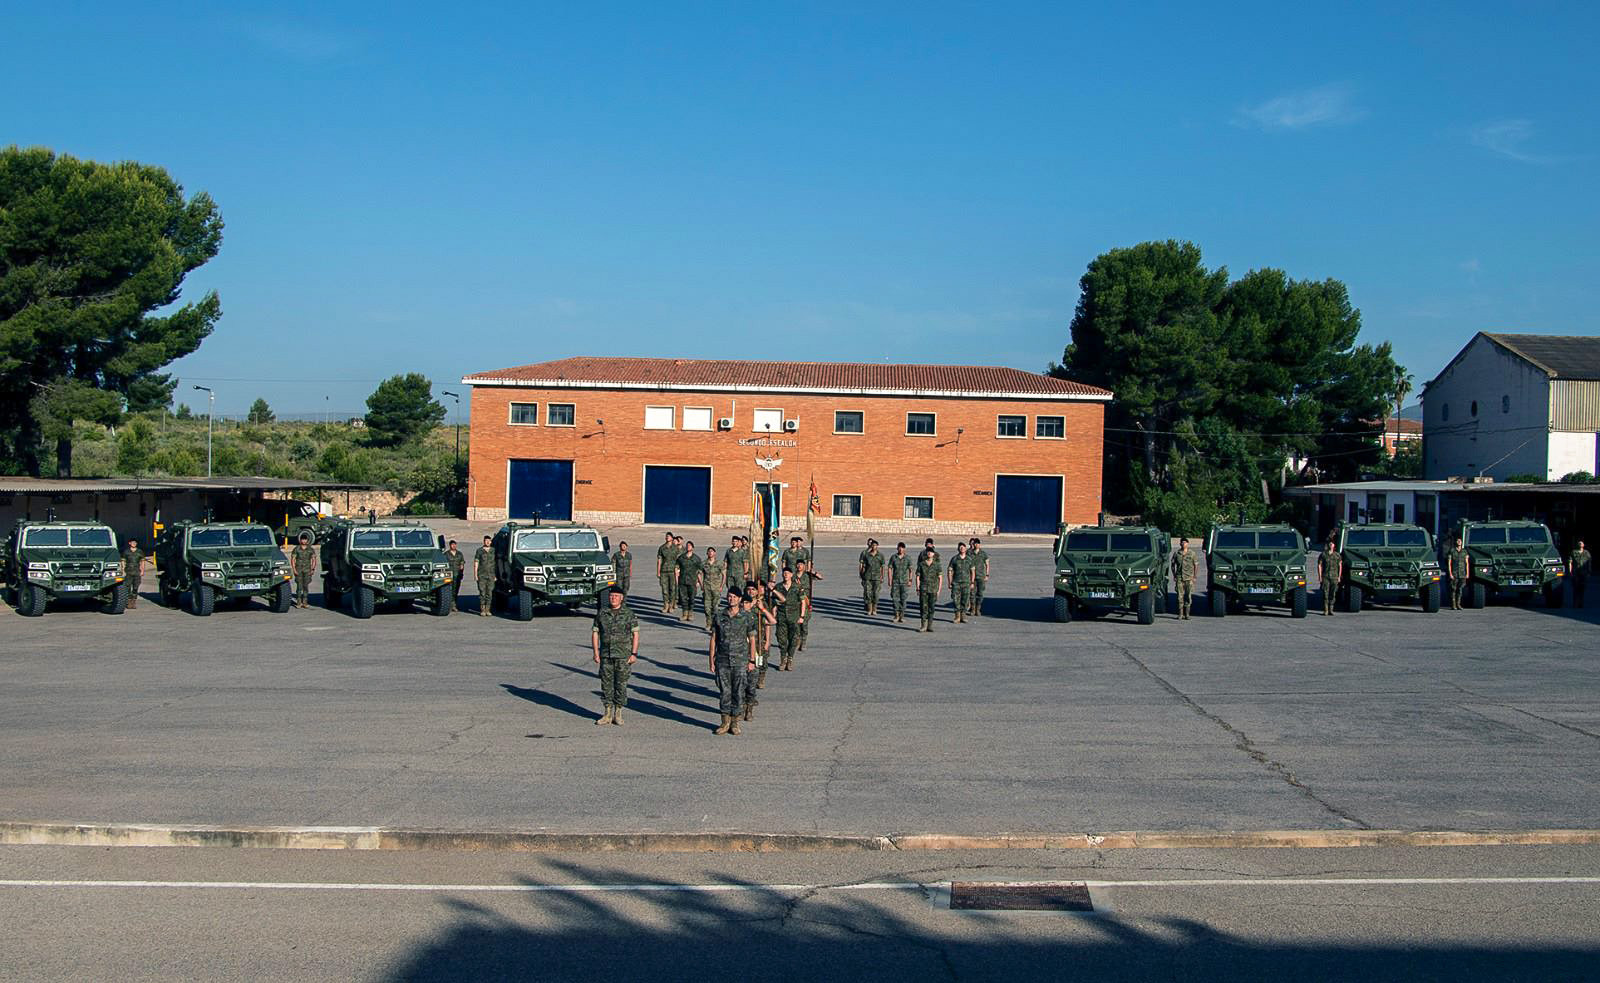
pixel 31 601
pixel 1062 608
pixel 365 600
pixel 1477 595
pixel 1145 607
pixel 1354 598
pixel 1552 596
pixel 202 600
pixel 1297 603
pixel 282 599
pixel 118 601
pixel 443 600
pixel 1219 603
pixel 1430 598
pixel 524 606
pixel 331 598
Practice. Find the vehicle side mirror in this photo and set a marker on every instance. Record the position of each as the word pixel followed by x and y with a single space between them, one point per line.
pixel 605 543
pixel 441 544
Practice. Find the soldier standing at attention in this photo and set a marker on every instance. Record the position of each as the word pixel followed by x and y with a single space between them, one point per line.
pixel 794 554
pixel 1578 573
pixel 132 570
pixel 871 563
pixel 615 638
pixel 980 575
pixel 793 605
pixel 930 577
pixel 738 576
pixel 666 562
pixel 937 559
pixel 714 578
pixel 1185 567
pixel 688 579
pixel 483 566
pixel 961 577
pixel 458 570
pixel 733 655
pixel 901 569
pixel 805 580
pixel 303 564
pixel 759 612
pixel 676 571
pixel 1458 567
pixel 622 563
pixel 1331 565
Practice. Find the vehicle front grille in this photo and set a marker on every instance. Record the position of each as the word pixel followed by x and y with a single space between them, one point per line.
pixel 75 569
pixel 407 569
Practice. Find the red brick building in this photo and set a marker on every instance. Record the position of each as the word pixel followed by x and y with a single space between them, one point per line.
pixel 915 448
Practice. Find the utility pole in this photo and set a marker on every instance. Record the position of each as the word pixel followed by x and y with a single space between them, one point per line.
pixel 211 407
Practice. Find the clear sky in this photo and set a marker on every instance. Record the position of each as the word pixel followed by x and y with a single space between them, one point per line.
pixel 451 187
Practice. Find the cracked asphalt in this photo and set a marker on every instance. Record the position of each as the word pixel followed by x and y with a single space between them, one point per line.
pixel 1391 719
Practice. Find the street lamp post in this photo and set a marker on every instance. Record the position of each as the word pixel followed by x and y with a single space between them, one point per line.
pixel 211 406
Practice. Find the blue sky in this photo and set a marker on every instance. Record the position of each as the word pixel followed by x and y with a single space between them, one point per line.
pixel 454 187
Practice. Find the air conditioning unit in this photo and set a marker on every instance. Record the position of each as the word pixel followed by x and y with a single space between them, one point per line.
pixel 725 423
pixel 790 426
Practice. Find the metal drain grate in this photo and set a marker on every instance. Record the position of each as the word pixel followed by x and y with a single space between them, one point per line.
pixel 1038 896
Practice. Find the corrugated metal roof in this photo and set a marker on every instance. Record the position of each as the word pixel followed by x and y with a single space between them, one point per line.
pixel 68 486
pixel 1562 356
pixel 821 377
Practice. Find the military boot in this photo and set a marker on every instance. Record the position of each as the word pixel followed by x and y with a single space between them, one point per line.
pixel 605 718
pixel 761 678
pixel 734 730
pixel 749 710
pixel 727 722
pixel 616 715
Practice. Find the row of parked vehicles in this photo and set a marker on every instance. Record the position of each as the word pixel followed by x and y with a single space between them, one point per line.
pixel 365 566
pixel 1107 568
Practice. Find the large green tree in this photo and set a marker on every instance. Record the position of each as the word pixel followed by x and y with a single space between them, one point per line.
pixel 92 262
pixel 402 409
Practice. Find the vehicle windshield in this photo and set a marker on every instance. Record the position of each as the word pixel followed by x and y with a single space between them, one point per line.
pixel 204 538
pixel 1129 542
pixel 74 537
pixel 1086 541
pixel 255 536
pixel 1236 541
pixel 582 539
pixel 528 542
pixel 1363 537
pixel 1407 537
pixel 412 538
pixel 1279 541
pixel 251 536
pixel 1486 537
pixel 1534 535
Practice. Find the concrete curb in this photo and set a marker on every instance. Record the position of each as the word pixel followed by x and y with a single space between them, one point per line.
pixel 527 841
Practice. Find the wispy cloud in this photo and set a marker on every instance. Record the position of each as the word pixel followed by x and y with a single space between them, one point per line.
pixel 1509 138
pixel 302 42
pixel 1325 105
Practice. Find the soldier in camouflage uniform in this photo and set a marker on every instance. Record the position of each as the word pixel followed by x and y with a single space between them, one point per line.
pixel 132 570
pixel 902 570
pixel 1578 573
pixel 733 655
pixel 738 560
pixel 615 638
pixel 458 571
pixel 962 574
pixel 980 575
pixel 303 564
pixel 1458 567
pixel 622 563
pixel 794 554
pixel 483 567
pixel 870 563
pixel 666 566
pixel 1185 567
pixel 930 578
pixel 805 580
pixel 688 579
pixel 764 599
pixel 793 606
pixel 756 620
pixel 714 583
pixel 1331 566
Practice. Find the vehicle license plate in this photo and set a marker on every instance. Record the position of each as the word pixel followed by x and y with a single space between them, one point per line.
pixel 1396 586
pixel 1521 581
pixel 78 587
pixel 249 586
pixel 1261 590
pixel 572 590
pixel 1101 593
pixel 408 589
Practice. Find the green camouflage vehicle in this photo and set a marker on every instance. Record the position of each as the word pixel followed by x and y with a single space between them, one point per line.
pixel 55 561
pixel 1255 565
pixel 385 562
pixel 221 561
pixel 1511 558
pixel 1111 567
pixel 549 563
pixel 1389 563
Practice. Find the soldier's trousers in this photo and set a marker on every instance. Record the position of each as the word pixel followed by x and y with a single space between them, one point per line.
pixel 1455 593
pixel 666 591
pixel 1330 592
pixel 962 596
pixel 978 587
pixel 926 601
pixel 485 595
pixel 730 687
pixel 302 587
pixel 898 593
pixel 711 600
pixel 133 587
pixel 614 675
pixel 686 594
pixel 1185 596
pixel 624 581
pixel 751 678
pixel 869 594
pixel 788 637
pixel 1579 585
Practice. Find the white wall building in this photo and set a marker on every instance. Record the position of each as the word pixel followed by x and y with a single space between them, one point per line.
pixel 1511 404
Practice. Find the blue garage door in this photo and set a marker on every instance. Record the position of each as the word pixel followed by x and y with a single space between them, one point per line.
pixel 542 487
pixel 677 496
pixel 1023 503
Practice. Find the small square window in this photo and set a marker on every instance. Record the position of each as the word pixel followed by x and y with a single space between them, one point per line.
pixel 697 418
pixel 560 415
pixel 658 417
pixel 919 508
pixel 849 505
pixel 768 421
pixel 1050 427
pixel 921 424
pixel 1012 426
pixel 524 414
pixel 849 421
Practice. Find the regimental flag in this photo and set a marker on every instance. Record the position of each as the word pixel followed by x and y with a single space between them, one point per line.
pixel 755 535
pixel 813 507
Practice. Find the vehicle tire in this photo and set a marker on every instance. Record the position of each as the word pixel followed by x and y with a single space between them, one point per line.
pixel 1354 598
pixel 1477 595
pixel 524 606
pixel 1145 607
pixel 118 601
pixel 443 600
pixel 1297 603
pixel 1062 608
pixel 31 600
pixel 202 600
pixel 282 598
pixel 1430 598
pixel 1219 603
pixel 363 602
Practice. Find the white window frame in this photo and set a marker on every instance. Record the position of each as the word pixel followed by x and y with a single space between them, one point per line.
pixel 1049 416
pixel 574 407
pixel 1007 436
pixel 511 411
pixel 850 433
pixel 711 418
pixel 935 432
pixel 755 414
pixel 918 518
pixel 842 515
pixel 672 417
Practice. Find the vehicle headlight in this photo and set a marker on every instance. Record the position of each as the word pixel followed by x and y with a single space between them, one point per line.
pixel 1429 565
pixel 45 567
pixel 534 571
pixel 280 568
pixel 371 574
pixel 371 568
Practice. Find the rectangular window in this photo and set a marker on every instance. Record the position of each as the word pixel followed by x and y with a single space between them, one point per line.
pixel 849 421
pixel 1011 426
pixel 921 425
pixel 560 415
pixel 524 414
pixel 658 417
pixel 847 505
pixel 769 421
pixel 919 508
pixel 697 418
pixel 1050 427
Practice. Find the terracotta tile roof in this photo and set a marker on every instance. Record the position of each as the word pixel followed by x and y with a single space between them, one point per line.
pixel 1406 426
pixel 592 372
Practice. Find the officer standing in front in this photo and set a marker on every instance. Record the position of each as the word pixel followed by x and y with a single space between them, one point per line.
pixel 1458 567
pixel 980 575
pixel 901 570
pixel 132 570
pixel 961 575
pixel 688 579
pixel 733 656
pixel 615 638
pixel 1578 573
pixel 622 564
pixel 666 562
pixel 303 564
pixel 1331 566
pixel 870 563
pixel 1185 567
pixel 483 566
pixel 930 578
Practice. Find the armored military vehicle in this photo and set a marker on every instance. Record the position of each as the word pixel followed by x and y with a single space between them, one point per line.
pixel 54 561
pixel 1513 559
pixel 549 562
pixel 1111 567
pixel 1255 565
pixel 1388 563
pixel 384 562
pixel 221 561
